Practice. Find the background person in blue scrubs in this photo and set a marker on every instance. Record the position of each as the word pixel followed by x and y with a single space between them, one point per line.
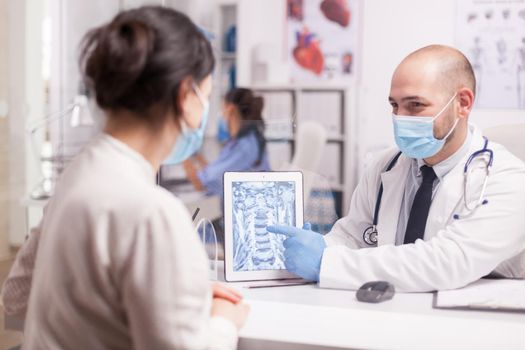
pixel 245 148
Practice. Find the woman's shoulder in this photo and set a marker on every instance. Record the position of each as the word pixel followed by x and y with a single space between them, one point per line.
pixel 144 205
pixel 167 202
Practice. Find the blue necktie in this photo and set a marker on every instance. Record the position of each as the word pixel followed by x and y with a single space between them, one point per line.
pixel 420 207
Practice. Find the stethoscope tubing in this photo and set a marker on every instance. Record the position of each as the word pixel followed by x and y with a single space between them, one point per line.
pixel 370 233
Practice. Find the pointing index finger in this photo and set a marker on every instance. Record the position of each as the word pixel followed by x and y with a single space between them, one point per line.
pixel 288 231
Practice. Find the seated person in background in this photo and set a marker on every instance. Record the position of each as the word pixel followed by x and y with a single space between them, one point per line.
pixel 245 148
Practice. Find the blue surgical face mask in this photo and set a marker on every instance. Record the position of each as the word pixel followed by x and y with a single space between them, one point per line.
pixel 223 133
pixel 415 134
pixel 189 140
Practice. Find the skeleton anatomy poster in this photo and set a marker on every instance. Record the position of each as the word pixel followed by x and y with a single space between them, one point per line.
pixel 321 39
pixel 492 35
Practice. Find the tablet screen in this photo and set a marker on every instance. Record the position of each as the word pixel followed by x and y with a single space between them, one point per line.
pixel 256 205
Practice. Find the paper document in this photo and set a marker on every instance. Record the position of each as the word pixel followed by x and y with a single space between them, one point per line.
pixel 496 294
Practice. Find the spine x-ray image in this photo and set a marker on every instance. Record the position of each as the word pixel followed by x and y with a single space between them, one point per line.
pixel 256 205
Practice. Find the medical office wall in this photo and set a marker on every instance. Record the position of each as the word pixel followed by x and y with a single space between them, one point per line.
pixel 492 35
pixel 392 29
pixel 389 31
pixel 4 134
pixel 43 38
pixel 21 47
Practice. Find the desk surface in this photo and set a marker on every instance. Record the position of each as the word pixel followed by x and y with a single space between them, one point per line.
pixel 287 317
pixel 307 317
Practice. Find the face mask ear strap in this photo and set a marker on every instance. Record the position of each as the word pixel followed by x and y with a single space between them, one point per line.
pixel 204 103
pixel 443 109
pixel 199 94
pixel 451 129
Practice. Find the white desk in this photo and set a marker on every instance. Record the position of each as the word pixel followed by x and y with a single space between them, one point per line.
pixel 307 317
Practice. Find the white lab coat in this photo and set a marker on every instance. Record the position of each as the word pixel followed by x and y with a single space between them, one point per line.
pixel 118 264
pixel 454 252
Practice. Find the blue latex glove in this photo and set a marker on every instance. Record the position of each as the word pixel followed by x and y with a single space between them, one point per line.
pixel 303 250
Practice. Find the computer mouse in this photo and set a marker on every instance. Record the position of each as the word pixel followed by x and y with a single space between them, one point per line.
pixel 375 292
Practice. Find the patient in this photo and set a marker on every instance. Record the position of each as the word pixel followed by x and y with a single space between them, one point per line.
pixel 115 262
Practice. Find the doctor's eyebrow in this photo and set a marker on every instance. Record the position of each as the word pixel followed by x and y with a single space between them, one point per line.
pixel 408 98
pixel 412 101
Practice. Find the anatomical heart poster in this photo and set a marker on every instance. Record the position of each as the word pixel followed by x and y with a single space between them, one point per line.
pixel 491 33
pixel 322 39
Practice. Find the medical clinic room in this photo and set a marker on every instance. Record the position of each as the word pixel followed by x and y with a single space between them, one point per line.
pixel 262 174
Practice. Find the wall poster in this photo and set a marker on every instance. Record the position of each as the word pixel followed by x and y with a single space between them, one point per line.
pixel 492 35
pixel 321 39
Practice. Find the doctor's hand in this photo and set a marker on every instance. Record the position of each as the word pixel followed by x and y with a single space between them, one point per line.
pixel 303 250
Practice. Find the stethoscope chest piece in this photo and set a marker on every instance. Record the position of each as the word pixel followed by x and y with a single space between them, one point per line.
pixel 370 235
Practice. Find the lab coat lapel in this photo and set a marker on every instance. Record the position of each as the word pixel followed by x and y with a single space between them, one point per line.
pixel 451 191
pixel 394 182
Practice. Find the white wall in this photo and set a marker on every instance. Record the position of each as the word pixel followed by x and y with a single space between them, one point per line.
pixel 26 102
pixel 259 22
pixel 391 30
pixel 4 133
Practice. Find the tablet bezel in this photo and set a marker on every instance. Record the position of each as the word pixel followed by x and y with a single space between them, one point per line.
pixel 229 177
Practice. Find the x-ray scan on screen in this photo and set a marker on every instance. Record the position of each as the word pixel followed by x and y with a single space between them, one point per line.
pixel 256 205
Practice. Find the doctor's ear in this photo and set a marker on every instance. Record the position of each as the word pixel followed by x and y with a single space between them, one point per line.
pixel 466 101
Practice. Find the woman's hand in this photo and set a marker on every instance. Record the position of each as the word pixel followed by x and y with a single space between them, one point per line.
pixel 199 158
pixel 189 167
pixel 221 291
pixel 236 313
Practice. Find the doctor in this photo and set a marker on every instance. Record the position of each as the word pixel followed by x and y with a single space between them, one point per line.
pixel 436 227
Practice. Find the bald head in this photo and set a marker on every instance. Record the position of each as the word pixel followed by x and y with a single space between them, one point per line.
pixel 436 82
pixel 447 67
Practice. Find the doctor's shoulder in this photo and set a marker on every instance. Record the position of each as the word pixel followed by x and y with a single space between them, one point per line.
pixel 507 175
pixel 506 167
pixel 504 160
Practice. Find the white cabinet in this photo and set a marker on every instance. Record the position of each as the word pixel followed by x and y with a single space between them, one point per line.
pixel 332 164
pixel 325 107
pixel 287 106
pixel 278 114
pixel 279 154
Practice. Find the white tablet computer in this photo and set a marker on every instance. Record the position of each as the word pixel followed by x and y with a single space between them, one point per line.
pixel 253 201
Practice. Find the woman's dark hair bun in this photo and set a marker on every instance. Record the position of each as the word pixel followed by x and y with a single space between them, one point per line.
pixel 119 56
pixel 139 59
pixel 250 106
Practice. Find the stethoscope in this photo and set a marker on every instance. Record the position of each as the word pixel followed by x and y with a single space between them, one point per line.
pixel 370 233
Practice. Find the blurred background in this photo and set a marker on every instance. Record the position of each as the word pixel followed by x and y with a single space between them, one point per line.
pixel 319 65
